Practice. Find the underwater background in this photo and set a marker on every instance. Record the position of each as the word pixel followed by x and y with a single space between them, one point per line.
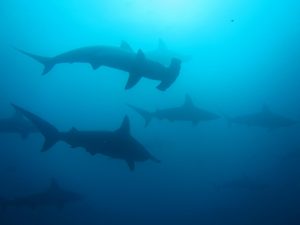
pixel 241 56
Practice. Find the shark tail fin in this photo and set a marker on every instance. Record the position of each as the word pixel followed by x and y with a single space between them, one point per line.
pixel 147 116
pixel 50 133
pixel 173 72
pixel 46 61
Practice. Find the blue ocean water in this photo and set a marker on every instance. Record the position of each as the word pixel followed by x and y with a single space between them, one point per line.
pixel 241 56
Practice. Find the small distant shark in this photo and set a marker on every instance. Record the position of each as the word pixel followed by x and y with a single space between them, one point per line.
pixel 17 124
pixel 265 119
pixel 53 196
pixel 117 144
pixel 164 55
pixel 186 112
pixel 121 58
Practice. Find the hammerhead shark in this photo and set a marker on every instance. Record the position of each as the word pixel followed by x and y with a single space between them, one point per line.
pixel 264 118
pixel 118 144
pixel 17 124
pixel 164 55
pixel 121 58
pixel 52 196
pixel 186 112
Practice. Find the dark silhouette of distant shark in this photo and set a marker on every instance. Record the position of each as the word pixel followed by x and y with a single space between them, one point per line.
pixel 17 124
pixel 121 58
pixel 265 118
pixel 186 112
pixel 117 144
pixel 53 196
pixel 164 55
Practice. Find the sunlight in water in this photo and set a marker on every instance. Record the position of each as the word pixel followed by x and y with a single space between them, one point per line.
pixel 167 12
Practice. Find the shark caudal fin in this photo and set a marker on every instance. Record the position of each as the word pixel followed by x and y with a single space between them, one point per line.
pixel 147 116
pixel 46 61
pixel 173 72
pixel 50 133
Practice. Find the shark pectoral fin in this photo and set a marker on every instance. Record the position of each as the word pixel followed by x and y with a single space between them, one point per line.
pixel 95 65
pixel 131 164
pixel 132 80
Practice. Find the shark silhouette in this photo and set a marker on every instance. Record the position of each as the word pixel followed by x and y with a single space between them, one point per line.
pixel 121 58
pixel 186 112
pixel 264 118
pixel 117 144
pixel 164 55
pixel 17 124
pixel 52 196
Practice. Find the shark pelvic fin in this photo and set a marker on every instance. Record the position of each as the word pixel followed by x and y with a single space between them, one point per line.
pixel 131 165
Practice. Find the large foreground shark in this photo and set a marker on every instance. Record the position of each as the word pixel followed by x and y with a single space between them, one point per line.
pixel 121 58
pixel 264 118
pixel 186 112
pixel 53 196
pixel 164 55
pixel 117 144
pixel 17 124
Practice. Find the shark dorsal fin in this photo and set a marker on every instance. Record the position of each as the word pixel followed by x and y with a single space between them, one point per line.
pixel 162 45
pixel 140 56
pixel 54 185
pixel 125 126
pixel 126 46
pixel 266 109
pixel 188 101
